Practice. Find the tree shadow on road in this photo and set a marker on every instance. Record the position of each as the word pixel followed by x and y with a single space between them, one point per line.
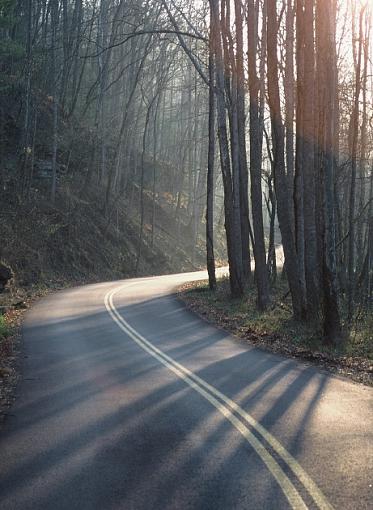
pixel 119 427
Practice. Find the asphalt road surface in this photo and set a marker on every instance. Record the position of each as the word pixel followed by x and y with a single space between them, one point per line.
pixel 128 401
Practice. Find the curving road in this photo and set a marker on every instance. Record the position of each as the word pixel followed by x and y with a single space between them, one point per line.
pixel 129 401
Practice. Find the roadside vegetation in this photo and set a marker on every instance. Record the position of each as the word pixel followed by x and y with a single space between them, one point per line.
pixel 4 329
pixel 277 330
pixel 9 346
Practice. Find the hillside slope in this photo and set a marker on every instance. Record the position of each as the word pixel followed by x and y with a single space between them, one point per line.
pixel 80 238
pixel 74 240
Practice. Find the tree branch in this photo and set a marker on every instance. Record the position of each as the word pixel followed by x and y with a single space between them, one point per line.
pixel 177 32
pixel 184 46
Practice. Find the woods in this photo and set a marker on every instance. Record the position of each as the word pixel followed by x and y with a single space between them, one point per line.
pixel 255 115
pixel 308 169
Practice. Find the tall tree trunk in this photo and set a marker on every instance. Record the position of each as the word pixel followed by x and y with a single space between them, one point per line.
pixel 282 192
pixel 241 121
pixel 299 156
pixel 352 198
pixel 232 78
pixel 289 99
pixel 210 164
pixel 312 274
pixel 304 196
pixel 54 22
pixel 235 262
pixel 326 81
pixel 361 224
pixel 261 273
pixel 369 284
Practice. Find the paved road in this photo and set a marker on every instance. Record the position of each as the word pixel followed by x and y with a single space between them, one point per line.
pixel 129 401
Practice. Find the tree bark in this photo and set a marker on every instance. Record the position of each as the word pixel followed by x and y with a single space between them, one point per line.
pixel 261 273
pixel 234 261
pixel 283 201
pixel 326 82
pixel 352 198
pixel 210 165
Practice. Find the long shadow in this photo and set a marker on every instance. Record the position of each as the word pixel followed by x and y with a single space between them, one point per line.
pixel 144 449
pixel 147 449
pixel 43 461
pixel 294 391
pixel 70 444
pixel 100 356
pixel 185 470
pixel 119 419
pixel 321 385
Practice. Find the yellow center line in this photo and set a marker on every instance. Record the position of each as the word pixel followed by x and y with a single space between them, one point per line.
pixel 210 393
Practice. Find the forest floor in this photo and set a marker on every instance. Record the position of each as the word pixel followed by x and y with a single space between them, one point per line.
pixel 276 330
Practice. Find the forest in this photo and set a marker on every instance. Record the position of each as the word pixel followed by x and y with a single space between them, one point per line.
pixel 161 135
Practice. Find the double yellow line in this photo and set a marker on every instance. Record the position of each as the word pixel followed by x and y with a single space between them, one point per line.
pixel 233 413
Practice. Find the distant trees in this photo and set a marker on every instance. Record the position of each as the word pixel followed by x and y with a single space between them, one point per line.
pixel 110 70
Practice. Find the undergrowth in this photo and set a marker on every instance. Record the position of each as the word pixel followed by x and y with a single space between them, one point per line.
pixel 4 329
pixel 242 317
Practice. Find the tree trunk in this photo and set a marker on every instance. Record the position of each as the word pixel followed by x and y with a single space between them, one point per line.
pixel 241 121
pixel 289 100
pixel 54 21
pixel 283 201
pixel 235 263
pixel 351 218
pixel 210 166
pixel 312 273
pixel 326 81
pixel 261 273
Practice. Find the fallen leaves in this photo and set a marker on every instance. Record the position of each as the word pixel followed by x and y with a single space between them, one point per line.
pixel 219 312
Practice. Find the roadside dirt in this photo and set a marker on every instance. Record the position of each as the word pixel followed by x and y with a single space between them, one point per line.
pixel 14 303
